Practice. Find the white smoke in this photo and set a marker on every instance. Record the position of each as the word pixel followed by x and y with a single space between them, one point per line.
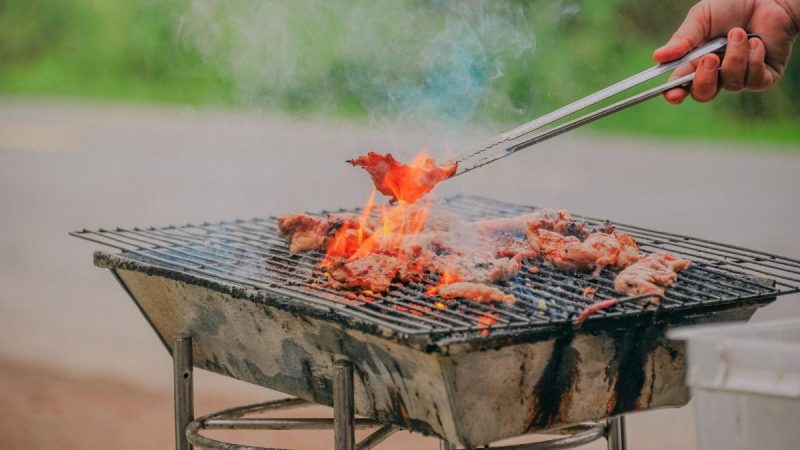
pixel 404 60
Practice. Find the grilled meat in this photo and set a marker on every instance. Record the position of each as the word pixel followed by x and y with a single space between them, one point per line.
pixel 371 253
pixel 401 181
pixel 509 246
pixel 558 221
pixel 376 271
pixel 597 251
pixel 306 232
pixel 480 293
pixel 477 267
pixel 650 272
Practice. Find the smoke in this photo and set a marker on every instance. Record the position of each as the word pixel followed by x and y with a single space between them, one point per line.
pixel 406 60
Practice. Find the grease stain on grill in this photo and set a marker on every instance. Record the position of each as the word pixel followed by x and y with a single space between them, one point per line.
pixel 633 348
pixel 552 392
pixel 210 317
pixel 294 374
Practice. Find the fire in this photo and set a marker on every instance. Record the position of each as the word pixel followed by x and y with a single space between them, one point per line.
pixel 485 321
pixel 404 182
pixel 390 229
pixel 448 277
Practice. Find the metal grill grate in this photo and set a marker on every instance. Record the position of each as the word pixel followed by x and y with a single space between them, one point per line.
pixel 251 254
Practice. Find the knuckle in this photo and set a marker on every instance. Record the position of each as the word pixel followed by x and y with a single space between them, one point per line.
pixel 758 85
pixel 734 84
pixel 703 93
pixel 734 87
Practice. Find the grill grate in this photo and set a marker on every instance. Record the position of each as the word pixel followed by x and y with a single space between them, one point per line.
pixel 251 254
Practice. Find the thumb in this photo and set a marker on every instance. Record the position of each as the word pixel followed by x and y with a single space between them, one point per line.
pixel 691 33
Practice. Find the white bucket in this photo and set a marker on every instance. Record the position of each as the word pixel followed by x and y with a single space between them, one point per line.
pixel 745 381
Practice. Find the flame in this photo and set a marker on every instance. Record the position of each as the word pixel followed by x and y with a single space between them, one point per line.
pixel 448 277
pixel 404 182
pixel 393 228
pixel 485 321
pixel 407 183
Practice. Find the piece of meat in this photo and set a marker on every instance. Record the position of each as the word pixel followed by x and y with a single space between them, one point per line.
pixel 548 219
pixel 564 252
pixel 629 250
pixel 599 250
pixel 616 249
pixel 377 271
pixel 304 232
pixel 649 273
pixel 407 183
pixel 558 221
pixel 476 267
pixel 509 246
pixel 480 293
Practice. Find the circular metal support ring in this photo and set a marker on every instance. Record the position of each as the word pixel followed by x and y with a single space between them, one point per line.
pixel 232 419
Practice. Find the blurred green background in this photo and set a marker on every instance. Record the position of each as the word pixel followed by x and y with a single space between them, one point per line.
pixel 137 51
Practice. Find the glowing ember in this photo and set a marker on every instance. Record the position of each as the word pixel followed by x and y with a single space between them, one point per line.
pixel 407 183
pixel 448 277
pixel 485 321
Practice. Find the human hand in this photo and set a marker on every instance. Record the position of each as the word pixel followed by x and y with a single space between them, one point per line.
pixel 754 64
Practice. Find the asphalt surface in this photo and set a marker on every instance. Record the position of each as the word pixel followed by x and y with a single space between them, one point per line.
pixel 67 166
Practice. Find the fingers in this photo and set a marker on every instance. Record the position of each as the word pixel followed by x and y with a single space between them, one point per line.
pixel 678 95
pixel 735 62
pixel 689 35
pixel 759 75
pixel 705 85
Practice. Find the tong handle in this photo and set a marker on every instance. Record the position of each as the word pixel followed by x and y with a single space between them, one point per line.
pixel 616 88
pixel 711 46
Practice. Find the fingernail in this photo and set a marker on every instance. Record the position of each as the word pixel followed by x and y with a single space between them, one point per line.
pixel 753 44
pixel 736 35
pixel 709 63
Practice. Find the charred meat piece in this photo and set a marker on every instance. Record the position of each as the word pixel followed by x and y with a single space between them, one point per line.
pixel 652 271
pixel 477 267
pixel 480 293
pixel 616 249
pixel 508 246
pixel 376 271
pixel 559 221
pixel 403 182
pixel 599 250
pixel 306 232
pixel 547 219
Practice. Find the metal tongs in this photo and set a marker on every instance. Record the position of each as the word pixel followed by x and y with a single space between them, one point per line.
pixel 530 133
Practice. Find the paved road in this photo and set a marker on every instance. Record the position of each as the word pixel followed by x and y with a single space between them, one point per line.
pixel 65 166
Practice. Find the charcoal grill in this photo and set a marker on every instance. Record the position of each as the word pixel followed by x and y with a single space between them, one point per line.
pixel 466 372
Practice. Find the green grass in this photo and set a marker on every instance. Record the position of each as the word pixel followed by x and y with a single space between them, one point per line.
pixel 137 51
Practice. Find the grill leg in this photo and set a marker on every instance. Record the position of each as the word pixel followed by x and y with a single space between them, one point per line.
pixel 184 393
pixel 343 406
pixel 616 434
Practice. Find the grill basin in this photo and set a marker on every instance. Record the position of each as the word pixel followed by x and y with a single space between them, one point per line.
pixel 259 315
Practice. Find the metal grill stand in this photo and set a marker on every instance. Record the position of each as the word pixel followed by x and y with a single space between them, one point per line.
pixel 344 423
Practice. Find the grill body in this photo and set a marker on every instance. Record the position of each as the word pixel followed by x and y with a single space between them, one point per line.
pixel 258 314
pixel 463 390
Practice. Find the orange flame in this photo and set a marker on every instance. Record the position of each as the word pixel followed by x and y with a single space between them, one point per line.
pixel 402 182
pixel 448 277
pixel 485 321
pixel 392 229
